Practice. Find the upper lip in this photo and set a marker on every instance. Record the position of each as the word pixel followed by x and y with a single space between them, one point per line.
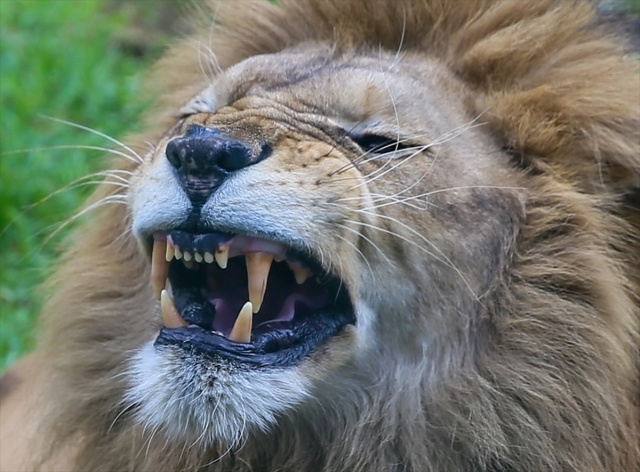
pixel 209 295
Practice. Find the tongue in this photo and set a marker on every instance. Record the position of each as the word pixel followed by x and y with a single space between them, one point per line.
pixel 227 309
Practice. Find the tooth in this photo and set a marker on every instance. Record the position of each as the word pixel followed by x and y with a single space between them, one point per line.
pixel 258 266
pixel 159 267
pixel 177 253
pixel 241 332
pixel 301 275
pixel 222 256
pixel 208 257
pixel 187 256
pixel 170 316
pixel 198 257
pixel 170 252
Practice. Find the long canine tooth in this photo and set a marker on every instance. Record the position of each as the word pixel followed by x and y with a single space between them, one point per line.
pixel 169 253
pixel 187 256
pixel 258 266
pixel 170 316
pixel 198 257
pixel 222 256
pixel 241 332
pixel 208 257
pixel 159 267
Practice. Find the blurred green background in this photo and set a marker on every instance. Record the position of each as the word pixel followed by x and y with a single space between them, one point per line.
pixel 77 60
pixel 81 61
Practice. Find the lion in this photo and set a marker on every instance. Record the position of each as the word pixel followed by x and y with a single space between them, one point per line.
pixel 369 235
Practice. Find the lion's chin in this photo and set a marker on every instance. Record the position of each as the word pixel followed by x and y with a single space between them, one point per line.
pixel 221 366
pixel 191 398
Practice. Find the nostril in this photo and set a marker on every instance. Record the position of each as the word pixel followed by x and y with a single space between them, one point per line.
pixel 234 155
pixel 175 153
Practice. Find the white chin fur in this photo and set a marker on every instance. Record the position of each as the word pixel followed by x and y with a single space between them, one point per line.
pixel 193 400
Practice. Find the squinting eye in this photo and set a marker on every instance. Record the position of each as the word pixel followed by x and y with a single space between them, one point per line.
pixel 373 143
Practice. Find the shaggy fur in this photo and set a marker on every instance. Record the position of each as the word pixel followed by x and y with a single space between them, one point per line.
pixel 519 354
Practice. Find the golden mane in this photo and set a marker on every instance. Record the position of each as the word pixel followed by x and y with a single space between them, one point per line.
pixel 555 90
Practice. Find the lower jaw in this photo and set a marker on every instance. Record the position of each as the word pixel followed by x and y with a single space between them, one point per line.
pixel 272 348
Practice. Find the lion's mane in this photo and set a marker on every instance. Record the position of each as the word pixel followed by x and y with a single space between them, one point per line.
pixel 556 388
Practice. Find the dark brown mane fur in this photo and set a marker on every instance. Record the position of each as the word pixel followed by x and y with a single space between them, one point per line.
pixel 558 388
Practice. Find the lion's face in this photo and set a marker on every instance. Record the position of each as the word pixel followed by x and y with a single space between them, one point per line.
pixel 346 205
pixel 400 235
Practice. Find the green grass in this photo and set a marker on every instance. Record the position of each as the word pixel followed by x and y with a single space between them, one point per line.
pixel 57 58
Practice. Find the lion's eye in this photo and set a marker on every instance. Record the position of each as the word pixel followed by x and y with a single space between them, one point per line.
pixel 373 143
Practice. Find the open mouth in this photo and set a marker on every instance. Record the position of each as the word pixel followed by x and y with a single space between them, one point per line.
pixel 242 298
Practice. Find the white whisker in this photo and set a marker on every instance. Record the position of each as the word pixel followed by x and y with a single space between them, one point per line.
pixel 79 182
pixel 374 245
pixel 440 256
pixel 123 411
pixel 75 146
pixel 428 194
pixel 399 53
pixel 393 104
pixel 353 245
pixel 371 156
pixel 97 133
pixel 109 200
pixel 381 172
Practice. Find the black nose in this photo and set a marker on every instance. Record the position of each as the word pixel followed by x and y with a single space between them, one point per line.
pixel 204 153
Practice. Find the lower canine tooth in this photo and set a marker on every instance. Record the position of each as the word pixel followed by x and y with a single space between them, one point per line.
pixel 241 332
pixel 170 316
pixel 159 267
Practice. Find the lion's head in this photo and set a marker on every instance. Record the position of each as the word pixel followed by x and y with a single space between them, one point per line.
pixel 370 235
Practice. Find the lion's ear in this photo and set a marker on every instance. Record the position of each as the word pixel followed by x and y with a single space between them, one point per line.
pixel 562 91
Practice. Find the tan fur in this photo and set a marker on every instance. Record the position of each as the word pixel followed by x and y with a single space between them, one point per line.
pixel 497 321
